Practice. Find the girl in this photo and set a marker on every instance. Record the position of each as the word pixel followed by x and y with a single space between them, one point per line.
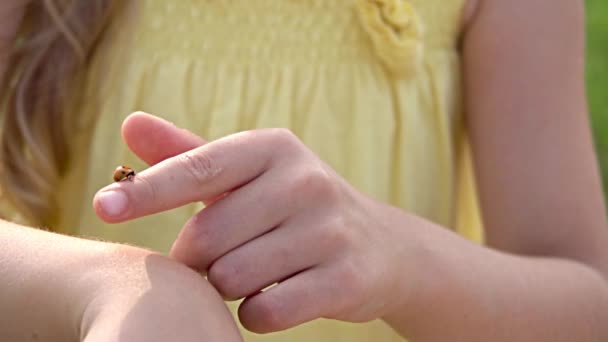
pixel 347 209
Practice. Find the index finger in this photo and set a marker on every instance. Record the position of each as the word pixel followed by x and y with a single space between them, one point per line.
pixel 199 174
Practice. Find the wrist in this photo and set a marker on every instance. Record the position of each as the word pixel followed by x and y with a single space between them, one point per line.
pixel 113 276
pixel 68 292
pixel 136 292
pixel 81 280
pixel 418 276
pixel 41 292
pixel 444 279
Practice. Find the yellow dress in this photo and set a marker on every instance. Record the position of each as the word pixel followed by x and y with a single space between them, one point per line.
pixel 372 86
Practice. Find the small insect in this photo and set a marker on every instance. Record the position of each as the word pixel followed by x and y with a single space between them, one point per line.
pixel 123 173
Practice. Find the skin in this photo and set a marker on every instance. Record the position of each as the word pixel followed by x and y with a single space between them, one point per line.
pixel 110 293
pixel 338 254
pixel 542 276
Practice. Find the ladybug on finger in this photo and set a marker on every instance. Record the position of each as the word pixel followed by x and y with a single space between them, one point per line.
pixel 123 173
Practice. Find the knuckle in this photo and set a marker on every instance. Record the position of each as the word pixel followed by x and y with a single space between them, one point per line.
pixel 336 234
pixel 201 166
pixel 224 277
pixel 350 275
pixel 284 135
pixel 201 239
pixel 285 139
pixel 201 236
pixel 316 183
pixel 151 189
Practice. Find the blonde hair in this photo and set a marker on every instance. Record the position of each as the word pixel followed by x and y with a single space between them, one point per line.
pixel 53 45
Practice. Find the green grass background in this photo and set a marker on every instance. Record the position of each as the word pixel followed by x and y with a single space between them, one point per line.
pixel 597 78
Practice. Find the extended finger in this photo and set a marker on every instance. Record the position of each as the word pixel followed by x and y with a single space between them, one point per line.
pixel 203 173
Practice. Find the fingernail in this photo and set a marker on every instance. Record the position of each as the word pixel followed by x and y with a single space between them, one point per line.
pixel 113 203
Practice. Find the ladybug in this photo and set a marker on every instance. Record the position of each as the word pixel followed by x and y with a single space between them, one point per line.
pixel 123 173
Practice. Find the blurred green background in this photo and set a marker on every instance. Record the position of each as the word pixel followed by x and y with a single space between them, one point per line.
pixel 597 78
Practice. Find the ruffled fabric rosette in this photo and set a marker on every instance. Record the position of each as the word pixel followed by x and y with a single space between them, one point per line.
pixel 396 32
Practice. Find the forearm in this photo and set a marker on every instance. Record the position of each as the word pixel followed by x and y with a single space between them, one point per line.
pixel 59 288
pixel 42 283
pixel 467 292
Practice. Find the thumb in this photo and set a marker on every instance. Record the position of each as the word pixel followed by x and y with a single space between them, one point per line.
pixel 154 139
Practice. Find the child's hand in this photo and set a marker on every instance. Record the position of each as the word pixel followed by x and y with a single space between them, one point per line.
pixel 277 213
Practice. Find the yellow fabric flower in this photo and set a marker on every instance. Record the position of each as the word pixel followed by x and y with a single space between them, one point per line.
pixel 396 33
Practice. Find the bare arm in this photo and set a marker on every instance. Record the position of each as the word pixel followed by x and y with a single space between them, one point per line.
pixel 539 183
pixel 545 278
pixel 39 298
pixel 58 288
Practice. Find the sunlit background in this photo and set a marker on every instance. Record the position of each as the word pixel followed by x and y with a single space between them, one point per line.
pixel 597 78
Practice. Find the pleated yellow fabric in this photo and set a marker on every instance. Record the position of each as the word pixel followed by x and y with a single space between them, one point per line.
pixel 372 86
